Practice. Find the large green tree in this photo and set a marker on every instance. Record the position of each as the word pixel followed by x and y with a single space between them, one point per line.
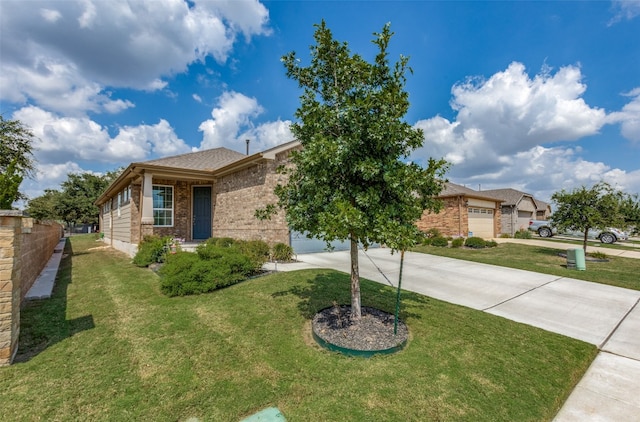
pixel 16 159
pixel 585 208
pixel 44 207
pixel 350 180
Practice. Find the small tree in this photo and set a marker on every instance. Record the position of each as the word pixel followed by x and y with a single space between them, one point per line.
pixel 16 159
pixel 349 180
pixel 75 204
pixel 630 210
pixel 584 209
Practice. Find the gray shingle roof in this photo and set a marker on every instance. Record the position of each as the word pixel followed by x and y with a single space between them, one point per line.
pixel 209 159
pixel 451 189
pixel 510 196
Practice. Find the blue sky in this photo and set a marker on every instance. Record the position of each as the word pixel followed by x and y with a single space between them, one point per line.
pixel 536 96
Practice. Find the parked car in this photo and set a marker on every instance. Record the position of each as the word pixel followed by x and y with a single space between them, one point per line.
pixel 610 235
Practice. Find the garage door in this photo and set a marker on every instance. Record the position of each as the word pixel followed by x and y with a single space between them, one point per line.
pixel 523 220
pixel 481 222
pixel 302 244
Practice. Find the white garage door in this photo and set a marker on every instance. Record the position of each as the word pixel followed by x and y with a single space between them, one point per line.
pixel 302 244
pixel 481 223
pixel 523 220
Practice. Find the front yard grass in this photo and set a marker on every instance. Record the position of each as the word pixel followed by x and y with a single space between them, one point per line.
pixel 620 272
pixel 109 346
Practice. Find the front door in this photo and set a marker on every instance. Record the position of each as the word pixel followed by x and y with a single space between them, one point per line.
pixel 201 212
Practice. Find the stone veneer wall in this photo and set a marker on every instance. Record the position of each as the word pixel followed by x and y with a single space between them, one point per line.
pixel 38 245
pixel 452 220
pixel 25 248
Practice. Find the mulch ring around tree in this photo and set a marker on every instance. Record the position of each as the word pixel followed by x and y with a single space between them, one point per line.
pixel 373 333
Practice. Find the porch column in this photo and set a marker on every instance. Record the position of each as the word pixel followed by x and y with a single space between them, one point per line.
pixel 147 200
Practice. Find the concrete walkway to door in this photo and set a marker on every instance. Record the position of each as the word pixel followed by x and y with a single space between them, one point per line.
pixel 606 316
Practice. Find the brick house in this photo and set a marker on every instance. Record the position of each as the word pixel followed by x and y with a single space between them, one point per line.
pixel 518 208
pixel 466 213
pixel 195 196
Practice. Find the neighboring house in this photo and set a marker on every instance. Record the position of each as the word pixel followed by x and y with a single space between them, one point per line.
pixel 466 213
pixel 518 208
pixel 195 196
pixel 543 211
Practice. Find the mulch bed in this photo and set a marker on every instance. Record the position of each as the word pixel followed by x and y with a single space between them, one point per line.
pixel 373 332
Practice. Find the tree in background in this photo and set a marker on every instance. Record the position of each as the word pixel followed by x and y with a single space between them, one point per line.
pixel 44 207
pixel 630 210
pixel 16 160
pixel 349 180
pixel 74 204
pixel 583 209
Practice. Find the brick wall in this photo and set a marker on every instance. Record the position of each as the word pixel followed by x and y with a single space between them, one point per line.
pixel 24 251
pixel 240 194
pixel 452 220
pixel 38 243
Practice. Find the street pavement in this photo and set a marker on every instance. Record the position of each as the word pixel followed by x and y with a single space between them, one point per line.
pixel 606 316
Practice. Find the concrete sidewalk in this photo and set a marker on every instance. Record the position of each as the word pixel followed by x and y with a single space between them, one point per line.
pixel 606 316
pixel 592 246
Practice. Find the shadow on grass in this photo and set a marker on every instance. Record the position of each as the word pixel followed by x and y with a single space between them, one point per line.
pixel 332 287
pixel 43 322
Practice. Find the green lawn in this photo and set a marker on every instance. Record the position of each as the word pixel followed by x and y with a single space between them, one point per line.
pixel 110 346
pixel 620 272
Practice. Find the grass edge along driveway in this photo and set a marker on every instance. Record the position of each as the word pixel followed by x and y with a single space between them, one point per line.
pixel 617 271
pixel 109 346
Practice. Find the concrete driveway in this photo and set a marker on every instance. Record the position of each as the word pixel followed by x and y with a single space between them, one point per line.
pixel 606 316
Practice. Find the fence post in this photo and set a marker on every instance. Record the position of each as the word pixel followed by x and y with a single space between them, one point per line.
pixel 10 268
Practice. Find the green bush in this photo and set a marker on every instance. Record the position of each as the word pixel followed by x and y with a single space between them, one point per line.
pixel 522 234
pixel 223 242
pixel 439 241
pixel 491 244
pixel 211 268
pixel 256 250
pixel 475 242
pixel 457 242
pixel 505 236
pixel 282 252
pixel 433 232
pixel 152 249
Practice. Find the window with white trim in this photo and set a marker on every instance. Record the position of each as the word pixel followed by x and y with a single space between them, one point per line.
pixel 163 206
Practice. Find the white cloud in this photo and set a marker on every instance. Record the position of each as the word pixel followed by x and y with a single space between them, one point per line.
pixel 232 125
pixel 509 113
pixel 60 139
pixel 624 9
pixel 629 117
pixel 79 48
pixel 197 98
pixel 503 123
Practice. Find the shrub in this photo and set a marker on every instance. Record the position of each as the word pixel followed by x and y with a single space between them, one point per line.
pixel 256 250
pixel 152 249
pixel 505 236
pixel 491 243
pixel 282 252
pixel 433 232
pixel 213 267
pixel 522 234
pixel 457 242
pixel 223 242
pixel 475 242
pixel 439 241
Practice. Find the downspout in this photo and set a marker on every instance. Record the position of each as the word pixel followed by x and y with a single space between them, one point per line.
pixel 460 199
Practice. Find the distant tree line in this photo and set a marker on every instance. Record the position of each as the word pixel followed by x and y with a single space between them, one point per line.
pixel 74 203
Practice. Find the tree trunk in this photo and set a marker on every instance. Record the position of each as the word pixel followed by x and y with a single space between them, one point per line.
pixel 584 242
pixel 356 312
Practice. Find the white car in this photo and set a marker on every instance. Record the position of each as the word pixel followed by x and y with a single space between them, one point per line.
pixel 610 235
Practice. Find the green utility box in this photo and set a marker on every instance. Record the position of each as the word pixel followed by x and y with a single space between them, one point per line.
pixel 575 259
